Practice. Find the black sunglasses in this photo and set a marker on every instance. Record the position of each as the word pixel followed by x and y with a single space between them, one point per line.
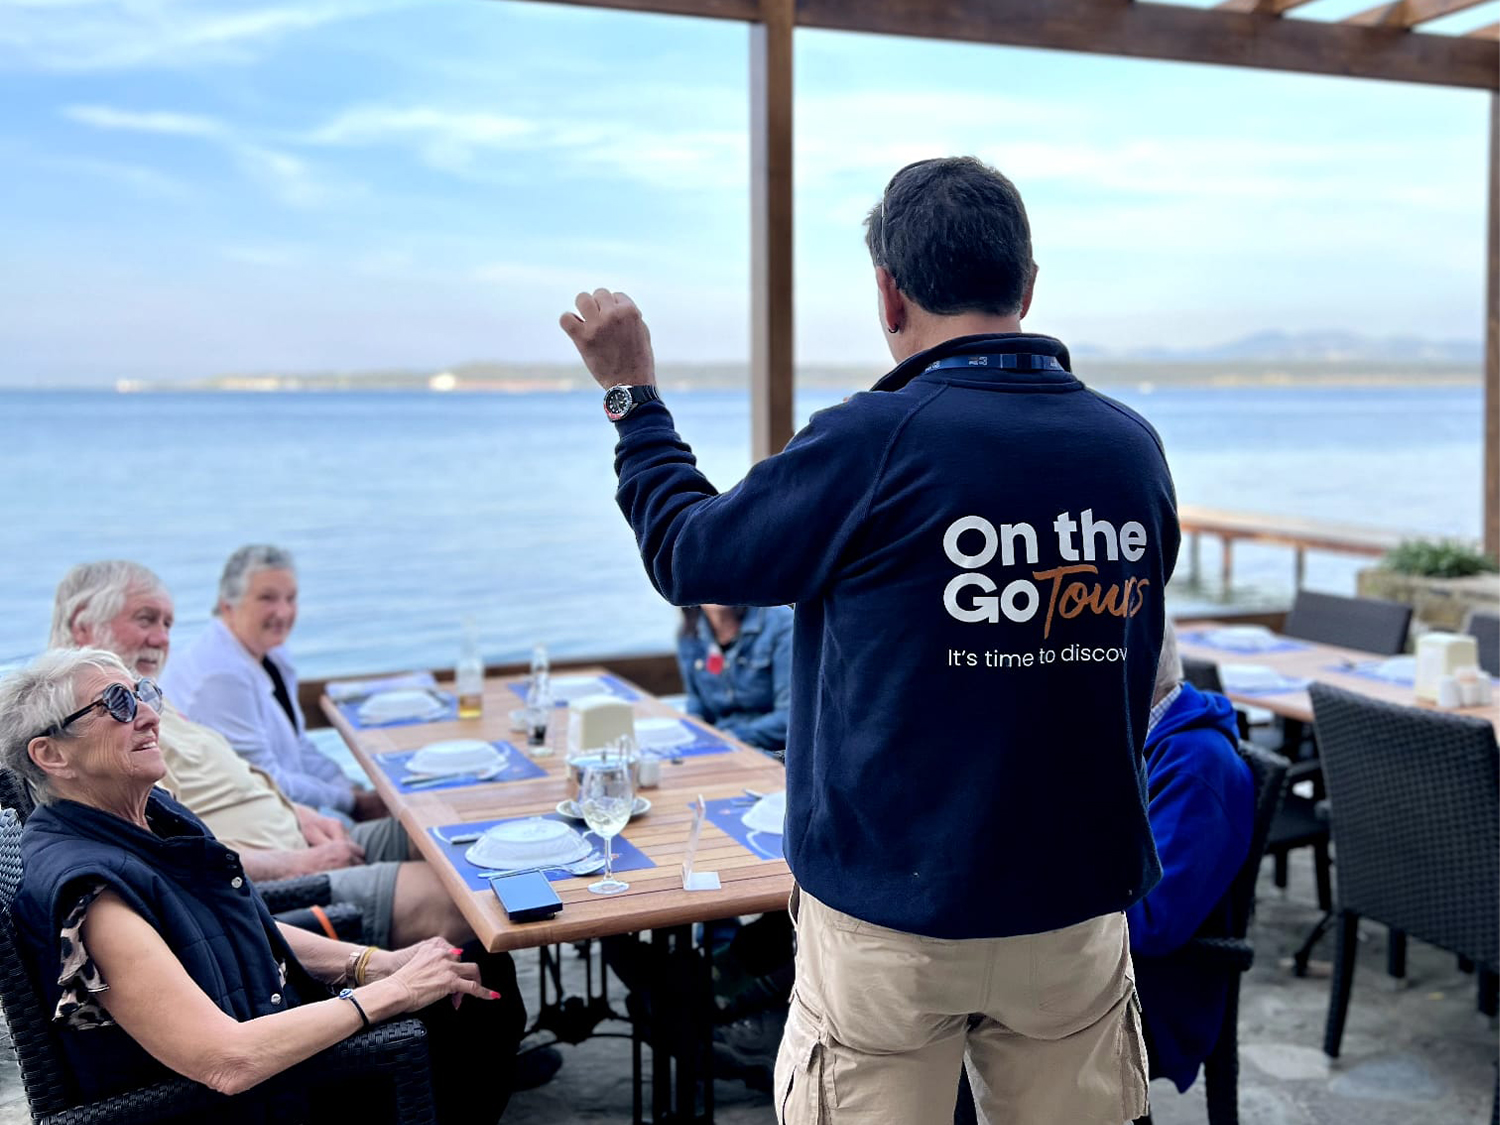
pixel 119 700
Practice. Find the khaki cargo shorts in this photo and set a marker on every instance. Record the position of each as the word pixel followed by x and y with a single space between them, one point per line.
pixel 881 1022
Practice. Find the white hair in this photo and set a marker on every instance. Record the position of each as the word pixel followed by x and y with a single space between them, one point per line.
pixel 1168 665
pixel 247 561
pixel 39 696
pixel 94 593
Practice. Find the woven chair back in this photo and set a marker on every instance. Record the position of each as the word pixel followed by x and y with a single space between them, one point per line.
pixel 1485 629
pixel 1415 798
pixel 1269 771
pixel 1368 624
pixel 15 794
pixel 1202 674
pixel 37 1051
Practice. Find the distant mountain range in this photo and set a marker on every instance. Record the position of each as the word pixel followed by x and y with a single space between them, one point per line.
pixel 1304 347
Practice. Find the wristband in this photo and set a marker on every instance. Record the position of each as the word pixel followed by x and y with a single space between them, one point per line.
pixel 362 964
pixel 348 994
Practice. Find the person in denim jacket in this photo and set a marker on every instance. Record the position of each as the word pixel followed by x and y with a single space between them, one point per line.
pixel 736 665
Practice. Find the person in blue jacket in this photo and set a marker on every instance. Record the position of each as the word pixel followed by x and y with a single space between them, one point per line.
pixel 736 665
pixel 1202 810
pixel 977 551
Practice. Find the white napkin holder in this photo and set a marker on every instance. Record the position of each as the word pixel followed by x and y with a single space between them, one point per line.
pixel 597 720
pixel 1439 655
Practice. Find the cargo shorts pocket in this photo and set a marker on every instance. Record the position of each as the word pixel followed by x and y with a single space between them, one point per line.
pixel 1134 1065
pixel 801 1076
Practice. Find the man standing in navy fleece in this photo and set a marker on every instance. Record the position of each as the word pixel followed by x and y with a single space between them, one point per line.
pixel 977 551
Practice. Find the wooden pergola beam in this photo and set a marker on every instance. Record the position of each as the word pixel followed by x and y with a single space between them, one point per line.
pixel 1138 30
pixel 1409 13
pixel 1490 31
pixel 1170 31
pixel 772 350
pixel 1492 346
pixel 1260 7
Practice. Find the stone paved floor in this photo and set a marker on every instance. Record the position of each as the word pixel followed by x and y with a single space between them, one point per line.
pixel 1418 1053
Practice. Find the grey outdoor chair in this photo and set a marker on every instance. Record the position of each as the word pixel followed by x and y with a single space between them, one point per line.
pixel 395 1052
pixel 1415 801
pixel 1370 625
pixel 1485 629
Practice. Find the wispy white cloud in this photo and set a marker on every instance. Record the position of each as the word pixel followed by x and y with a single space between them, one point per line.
pixel 106 35
pixel 143 181
pixel 290 179
pixel 444 139
pixel 271 256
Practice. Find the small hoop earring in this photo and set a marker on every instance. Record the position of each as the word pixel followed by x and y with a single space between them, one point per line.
pixel 893 328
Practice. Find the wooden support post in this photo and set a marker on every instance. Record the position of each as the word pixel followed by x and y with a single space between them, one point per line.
pixel 1226 564
pixel 1195 558
pixel 771 342
pixel 1492 347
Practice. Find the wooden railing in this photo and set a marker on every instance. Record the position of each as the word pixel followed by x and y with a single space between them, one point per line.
pixel 1301 535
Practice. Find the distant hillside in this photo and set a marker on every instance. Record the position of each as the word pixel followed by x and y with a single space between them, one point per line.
pixel 1265 358
pixel 1328 346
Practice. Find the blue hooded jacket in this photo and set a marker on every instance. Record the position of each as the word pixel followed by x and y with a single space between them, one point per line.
pixel 977 553
pixel 1202 811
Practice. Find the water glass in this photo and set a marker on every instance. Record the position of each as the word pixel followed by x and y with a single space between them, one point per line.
pixel 606 797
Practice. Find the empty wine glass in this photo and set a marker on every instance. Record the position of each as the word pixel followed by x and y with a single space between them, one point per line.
pixel 606 798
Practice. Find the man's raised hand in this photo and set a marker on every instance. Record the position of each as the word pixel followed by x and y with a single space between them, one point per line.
pixel 612 338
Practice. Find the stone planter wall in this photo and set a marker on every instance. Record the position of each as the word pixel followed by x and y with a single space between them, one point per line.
pixel 1437 603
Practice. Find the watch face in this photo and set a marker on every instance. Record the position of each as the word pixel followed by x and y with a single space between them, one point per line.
pixel 617 402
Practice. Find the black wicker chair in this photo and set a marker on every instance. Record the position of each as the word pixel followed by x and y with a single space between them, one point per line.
pixel 304 901
pixel 1416 821
pixel 395 1051
pixel 1485 629
pixel 1230 951
pixel 1370 625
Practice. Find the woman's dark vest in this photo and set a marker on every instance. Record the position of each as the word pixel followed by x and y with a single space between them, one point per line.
pixel 189 887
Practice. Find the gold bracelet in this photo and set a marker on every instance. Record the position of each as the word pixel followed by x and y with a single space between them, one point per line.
pixel 348 974
pixel 362 964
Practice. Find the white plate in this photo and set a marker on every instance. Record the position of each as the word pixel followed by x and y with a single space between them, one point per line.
pixel 767 814
pixel 1250 677
pixel 1398 669
pixel 571 810
pixel 575 687
pixel 1246 638
pixel 662 734
pixel 392 706
pixel 528 843
pixel 458 755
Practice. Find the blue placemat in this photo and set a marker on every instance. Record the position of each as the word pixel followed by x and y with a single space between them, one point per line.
pixel 609 685
pixel 627 856
pixel 517 768
pixel 1278 644
pixel 450 711
pixel 1289 684
pixel 726 814
pixel 1368 670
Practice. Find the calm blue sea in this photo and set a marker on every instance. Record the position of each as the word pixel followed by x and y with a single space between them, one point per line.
pixel 409 511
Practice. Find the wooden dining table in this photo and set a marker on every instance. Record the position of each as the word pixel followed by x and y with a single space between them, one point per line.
pixel 749 882
pixel 675 1025
pixel 1300 660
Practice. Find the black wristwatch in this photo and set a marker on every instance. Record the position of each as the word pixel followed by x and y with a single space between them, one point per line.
pixel 620 400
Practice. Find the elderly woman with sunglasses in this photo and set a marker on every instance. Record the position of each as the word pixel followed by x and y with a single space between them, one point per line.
pixel 149 944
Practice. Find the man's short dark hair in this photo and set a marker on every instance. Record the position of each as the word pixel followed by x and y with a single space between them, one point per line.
pixel 953 233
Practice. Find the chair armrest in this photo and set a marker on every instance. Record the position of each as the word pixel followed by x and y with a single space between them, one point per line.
pixel 1303 770
pixel 397 1051
pixel 293 894
pixel 166 1098
pixel 1230 954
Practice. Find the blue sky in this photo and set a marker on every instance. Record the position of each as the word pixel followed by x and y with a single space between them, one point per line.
pixel 201 186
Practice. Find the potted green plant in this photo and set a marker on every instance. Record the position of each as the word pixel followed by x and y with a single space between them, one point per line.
pixel 1441 579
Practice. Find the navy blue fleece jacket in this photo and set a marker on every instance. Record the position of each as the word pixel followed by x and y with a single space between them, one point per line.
pixel 977 557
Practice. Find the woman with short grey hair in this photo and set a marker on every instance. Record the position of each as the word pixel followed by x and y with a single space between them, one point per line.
pixel 237 678
pixel 149 945
pixel 245 562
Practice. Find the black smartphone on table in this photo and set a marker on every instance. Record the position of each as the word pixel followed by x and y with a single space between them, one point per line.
pixel 527 897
